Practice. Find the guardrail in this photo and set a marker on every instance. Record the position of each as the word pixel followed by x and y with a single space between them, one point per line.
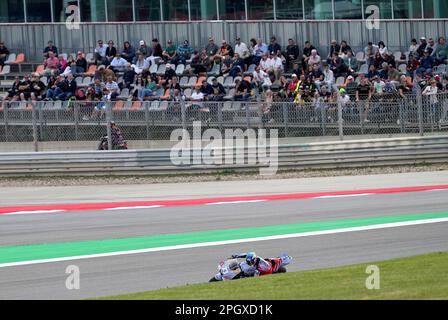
pixel 346 154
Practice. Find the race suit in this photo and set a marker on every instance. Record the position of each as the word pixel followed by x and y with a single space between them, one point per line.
pixel 261 267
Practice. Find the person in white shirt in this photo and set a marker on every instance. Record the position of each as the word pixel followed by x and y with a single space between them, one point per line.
pixel 431 91
pixel 261 78
pixel 141 63
pixel 314 58
pixel 382 49
pixel 100 52
pixel 413 47
pixel 242 50
pixel 118 64
pixel 328 75
pixel 111 89
pixel 265 63
pixel 276 65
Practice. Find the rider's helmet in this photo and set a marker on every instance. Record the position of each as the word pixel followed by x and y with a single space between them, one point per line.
pixel 251 258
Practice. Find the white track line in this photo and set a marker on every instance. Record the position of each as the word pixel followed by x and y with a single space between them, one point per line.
pixel 344 196
pixel 227 242
pixel 233 202
pixel 32 212
pixel 135 207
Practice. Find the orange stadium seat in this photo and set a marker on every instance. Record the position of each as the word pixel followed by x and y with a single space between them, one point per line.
pixel 166 96
pixel 20 59
pixel 40 68
pixel 119 104
pixel 199 82
pixel 136 105
pixel 91 71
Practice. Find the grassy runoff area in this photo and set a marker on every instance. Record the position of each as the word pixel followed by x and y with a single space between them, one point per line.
pixel 418 277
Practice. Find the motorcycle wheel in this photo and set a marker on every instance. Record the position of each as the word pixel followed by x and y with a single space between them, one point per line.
pixel 213 280
pixel 281 270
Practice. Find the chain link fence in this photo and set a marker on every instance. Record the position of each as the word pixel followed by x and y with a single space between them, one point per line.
pixel 155 120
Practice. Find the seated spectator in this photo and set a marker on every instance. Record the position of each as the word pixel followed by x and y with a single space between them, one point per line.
pixel 118 64
pixel 422 47
pixel 328 75
pixel 4 52
pixel 100 52
pixel 55 89
pixel 413 47
pixel 226 49
pixel 63 64
pixel 292 53
pixel 141 64
pixel 275 65
pixel 226 64
pixel 184 53
pixel 334 47
pixel 148 92
pixel 128 76
pixel 50 48
pixel 157 52
pixel 307 50
pixel 378 61
pixel 211 50
pixel 242 90
pixel 206 89
pixel 96 90
pixel 337 66
pixel 199 62
pixel 14 91
pixel 317 76
pixel 174 85
pixel 345 48
pixel 314 58
pixel 373 72
pixel 393 75
pixel 292 86
pixel 274 46
pixel 351 62
pixel 412 66
pixel 431 47
pixel 197 94
pixel 237 66
pixel 441 52
pixel 370 53
pixel 378 86
pixel 426 63
pixel 128 52
pixel 51 65
pixel 80 65
pixel 111 90
pixel 35 90
pixel 217 92
pixel 243 51
pixel 261 79
pixel 143 49
pixel 264 62
pixel 382 49
pixel 259 50
pixel 170 52
pixel 170 73
pixel 111 53
pixel 69 90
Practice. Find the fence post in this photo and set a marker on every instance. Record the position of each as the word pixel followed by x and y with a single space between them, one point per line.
pixel 35 137
pixel 247 106
pixel 76 115
pixel 340 119
pixel 109 129
pixel 285 118
pixel 183 114
pixel 145 103
pixel 220 106
pixel 420 110
pixel 5 115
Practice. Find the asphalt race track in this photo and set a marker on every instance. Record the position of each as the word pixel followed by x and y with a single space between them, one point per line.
pixel 146 271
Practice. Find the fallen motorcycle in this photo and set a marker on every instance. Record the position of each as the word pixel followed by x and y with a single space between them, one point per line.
pixel 232 269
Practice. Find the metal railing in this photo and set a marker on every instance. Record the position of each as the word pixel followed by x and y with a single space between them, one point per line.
pixel 155 120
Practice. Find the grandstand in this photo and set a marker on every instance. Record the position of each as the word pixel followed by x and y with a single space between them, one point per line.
pixel 196 53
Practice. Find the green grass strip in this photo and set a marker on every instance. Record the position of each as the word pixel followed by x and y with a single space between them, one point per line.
pixel 10 254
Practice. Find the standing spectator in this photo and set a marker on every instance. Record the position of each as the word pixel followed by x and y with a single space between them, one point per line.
pixel 243 51
pixel 441 52
pixel 431 92
pixel 80 65
pixel 184 53
pixel 292 53
pixel 100 52
pixel 4 52
pixel 211 49
pixel 363 94
pixel 274 46
pixel 50 48
pixel 111 52
pixel 51 65
pixel 170 52
pixel 128 52
pixel 259 50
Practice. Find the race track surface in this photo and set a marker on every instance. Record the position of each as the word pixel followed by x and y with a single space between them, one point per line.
pixel 147 271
